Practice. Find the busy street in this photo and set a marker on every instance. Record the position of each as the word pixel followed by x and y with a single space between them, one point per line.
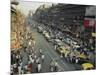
pixel 50 55
pixel 43 43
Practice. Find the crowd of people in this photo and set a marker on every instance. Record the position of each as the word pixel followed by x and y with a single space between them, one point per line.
pixel 18 63
pixel 28 59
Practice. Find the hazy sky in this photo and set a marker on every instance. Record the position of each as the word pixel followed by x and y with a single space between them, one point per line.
pixel 25 6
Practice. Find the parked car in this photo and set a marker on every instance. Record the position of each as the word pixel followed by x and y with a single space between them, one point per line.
pixel 67 41
pixel 58 42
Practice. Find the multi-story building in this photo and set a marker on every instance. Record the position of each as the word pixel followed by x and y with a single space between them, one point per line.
pixel 18 27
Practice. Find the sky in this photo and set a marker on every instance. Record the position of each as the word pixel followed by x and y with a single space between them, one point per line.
pixel 26 6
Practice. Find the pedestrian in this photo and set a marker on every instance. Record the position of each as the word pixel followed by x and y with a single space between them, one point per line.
pixel 40 51
pixel 22 71
pixel 15 68
pixel 14 58
pixel 30 66
pixel 25 68
pixel 33 48
pixel 37 60
pixel 17 58
pixel 51 68
pixel 42 57
pixel 71 56
pixel 39 67
pixel 76 61
pixel 56 66
pixel 32 54
pixel 32 59
pixel 19 69
pixel 12 71
pixel 73 59
pixel 52 65
pixel 68 58
pixel 55 47
pixel 35 57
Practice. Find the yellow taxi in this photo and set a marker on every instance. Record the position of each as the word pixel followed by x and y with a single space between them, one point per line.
pixel 83 56
pixel 87 66
pixel 63 50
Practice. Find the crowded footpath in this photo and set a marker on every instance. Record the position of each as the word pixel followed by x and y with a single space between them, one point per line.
pixel 32 62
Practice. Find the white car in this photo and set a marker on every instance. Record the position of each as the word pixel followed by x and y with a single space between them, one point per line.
pixel 46 35
pixel 40 29
pixel 58 42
